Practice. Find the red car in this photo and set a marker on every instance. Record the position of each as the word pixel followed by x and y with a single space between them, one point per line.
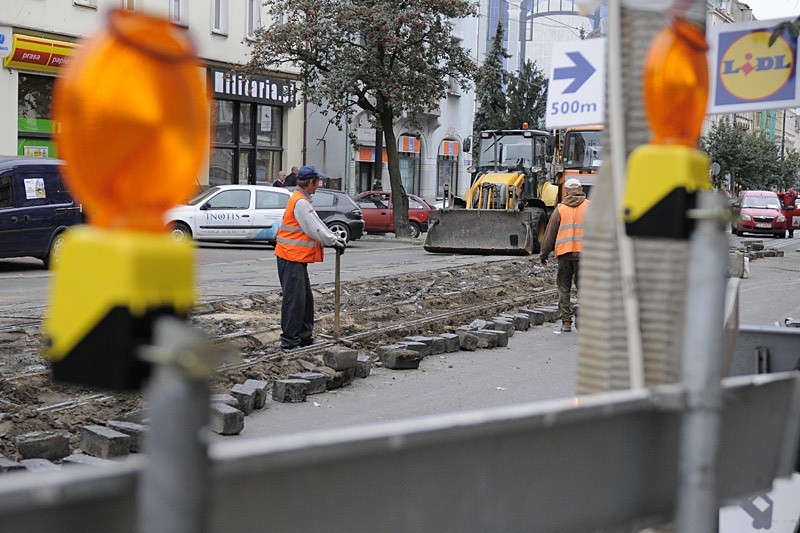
pixel 379 215
pixel 758 212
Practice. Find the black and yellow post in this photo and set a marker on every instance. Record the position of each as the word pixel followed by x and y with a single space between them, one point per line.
pixel 132 111
pixel 664 177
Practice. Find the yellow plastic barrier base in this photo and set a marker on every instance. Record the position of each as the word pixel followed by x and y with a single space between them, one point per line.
pixel 108 288
pixel 662 181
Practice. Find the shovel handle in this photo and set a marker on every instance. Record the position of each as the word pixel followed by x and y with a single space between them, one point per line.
pixel 336 297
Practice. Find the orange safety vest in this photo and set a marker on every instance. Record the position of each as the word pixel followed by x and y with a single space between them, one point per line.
pixel 293 244
pixel 570 232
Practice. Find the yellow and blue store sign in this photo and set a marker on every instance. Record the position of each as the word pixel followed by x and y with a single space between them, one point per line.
pixel 747 74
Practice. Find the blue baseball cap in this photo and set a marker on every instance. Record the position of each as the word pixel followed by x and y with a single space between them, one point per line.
pixel 309 172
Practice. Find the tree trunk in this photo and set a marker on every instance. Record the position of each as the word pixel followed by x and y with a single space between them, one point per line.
pixel 399 198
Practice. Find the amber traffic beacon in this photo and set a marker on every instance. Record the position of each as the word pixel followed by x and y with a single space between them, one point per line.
pixel 132 110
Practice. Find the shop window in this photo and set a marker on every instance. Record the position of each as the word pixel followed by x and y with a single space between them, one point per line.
pixel 34 121
pixel 247 142
pixel 179 12
pixel 447 167
pixel 219 16
pixel 409 151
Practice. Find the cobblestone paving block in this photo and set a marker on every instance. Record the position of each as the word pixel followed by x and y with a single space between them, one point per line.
pixel 435 344
pixel 387 348
pixel 467 340
pixel 104 442
pixel 364 366
pixel 7 465
pixel 419 347
pixel 53 445
pixel 317 381
pixel 260 387
pixel 339 358
pixel 486 339
pixel 224 398
pixel 246 397
pixel 537 317
pixel 83 459
pixel 503 325
pixel 135 431
pixel 476 324
pixel 139 416
pixel 501 337
pixel 39 465
pixel 289 390
pixel 401 359
pixel 226 420
pixel 550 314
pixel 522 322
pixel 451 342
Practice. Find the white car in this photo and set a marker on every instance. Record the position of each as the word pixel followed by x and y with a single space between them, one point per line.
pixel 230 213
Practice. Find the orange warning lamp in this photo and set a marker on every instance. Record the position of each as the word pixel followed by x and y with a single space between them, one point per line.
pixel 133 110
pixel 663 177
pixel 676 84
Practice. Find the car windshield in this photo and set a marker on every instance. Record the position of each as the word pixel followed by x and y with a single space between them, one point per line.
pixel 511 151
pixel 582 149
pixel 761 202
pixel 202 196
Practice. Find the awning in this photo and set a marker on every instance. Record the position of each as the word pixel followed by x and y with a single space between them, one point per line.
pixel 449 148
pixel 408 144
pixel 366 154
pixel 40 55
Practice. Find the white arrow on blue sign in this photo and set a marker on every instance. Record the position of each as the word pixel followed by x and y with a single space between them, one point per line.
pixel 576 93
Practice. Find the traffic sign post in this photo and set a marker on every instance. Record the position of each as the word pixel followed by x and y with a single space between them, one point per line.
pixel 576 92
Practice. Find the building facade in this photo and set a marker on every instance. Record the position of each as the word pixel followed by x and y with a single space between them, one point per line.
pixel 256 125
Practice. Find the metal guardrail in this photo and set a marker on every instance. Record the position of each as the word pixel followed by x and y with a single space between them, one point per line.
pixel 580 464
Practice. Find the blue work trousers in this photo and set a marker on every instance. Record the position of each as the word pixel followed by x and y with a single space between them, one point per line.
pixel 297 308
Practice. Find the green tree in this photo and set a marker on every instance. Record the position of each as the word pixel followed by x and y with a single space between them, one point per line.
pixel 790 170
pixel 387 57
pixel 491 111
pixel 752 160
pixel 723 145
pixel 527 96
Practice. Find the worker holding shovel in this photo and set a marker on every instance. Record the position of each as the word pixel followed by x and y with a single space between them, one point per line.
pixel 300 240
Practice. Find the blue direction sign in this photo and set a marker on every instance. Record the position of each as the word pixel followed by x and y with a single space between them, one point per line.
pixel 576 92
pixel 581 71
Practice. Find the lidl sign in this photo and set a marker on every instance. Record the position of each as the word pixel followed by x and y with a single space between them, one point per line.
pixel 747 74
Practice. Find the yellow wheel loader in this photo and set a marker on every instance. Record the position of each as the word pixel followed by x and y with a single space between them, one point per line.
pixel 506 209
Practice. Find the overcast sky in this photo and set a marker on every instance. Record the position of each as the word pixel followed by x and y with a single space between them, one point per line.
pixel 770 9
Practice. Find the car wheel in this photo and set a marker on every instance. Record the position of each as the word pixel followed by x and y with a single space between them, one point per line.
pixel 180 232
pixel 780 235
pixel 340 230
pixel 414 229
pixel 54 253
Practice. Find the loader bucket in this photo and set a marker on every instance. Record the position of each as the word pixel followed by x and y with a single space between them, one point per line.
pixel 480 231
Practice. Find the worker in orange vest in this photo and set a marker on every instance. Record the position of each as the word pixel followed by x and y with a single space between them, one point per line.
pixel 299 242
pixel 564 234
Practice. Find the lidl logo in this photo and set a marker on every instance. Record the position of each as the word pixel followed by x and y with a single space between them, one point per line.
pixel 751 70
pixel 2 38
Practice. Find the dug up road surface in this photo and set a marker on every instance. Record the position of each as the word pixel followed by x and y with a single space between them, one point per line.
pixel 374 312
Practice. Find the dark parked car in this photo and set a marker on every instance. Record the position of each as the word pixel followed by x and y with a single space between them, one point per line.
pixel 379 215
pixel 758 212
pixel 339 212
pixel 35 208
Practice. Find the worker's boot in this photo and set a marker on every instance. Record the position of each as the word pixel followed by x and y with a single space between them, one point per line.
pixel 566 326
